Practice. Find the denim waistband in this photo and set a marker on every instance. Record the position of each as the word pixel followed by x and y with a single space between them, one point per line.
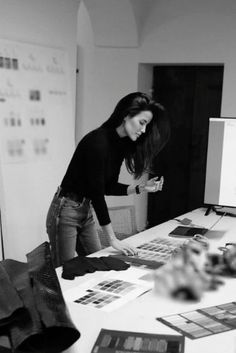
pixel 71 195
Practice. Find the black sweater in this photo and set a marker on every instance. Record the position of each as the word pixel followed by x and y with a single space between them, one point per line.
pixel 94 169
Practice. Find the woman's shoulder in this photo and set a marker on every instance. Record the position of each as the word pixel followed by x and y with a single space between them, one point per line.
pixel 98 134
pixel 98 138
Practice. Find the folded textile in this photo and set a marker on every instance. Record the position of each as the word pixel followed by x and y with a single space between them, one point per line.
pixel 44 325
pixel 115 264
pixel 79 266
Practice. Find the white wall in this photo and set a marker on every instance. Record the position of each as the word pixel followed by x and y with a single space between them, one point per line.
pixel 108 67
pixel 106 74
pixel 50 23
pixel 46 22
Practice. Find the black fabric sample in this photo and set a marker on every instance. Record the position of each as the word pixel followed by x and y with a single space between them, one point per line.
pixel 79 266
pixel 114 264
pixel 44 325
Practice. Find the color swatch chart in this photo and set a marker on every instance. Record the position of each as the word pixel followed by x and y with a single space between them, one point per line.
pixel 114 289
pixel 116 286
pixel 155 253
pixel 159 249
pixel 203 322
pixel 107 294
pixel 110 341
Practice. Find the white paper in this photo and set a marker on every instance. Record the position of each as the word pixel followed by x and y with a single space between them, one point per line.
pixel 108 292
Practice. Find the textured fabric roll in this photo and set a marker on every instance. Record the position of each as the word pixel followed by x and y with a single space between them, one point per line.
pixel 24 327
pixel 11 305
pixel 45 325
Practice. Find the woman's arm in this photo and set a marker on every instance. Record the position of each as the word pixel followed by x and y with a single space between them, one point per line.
pixel 122 246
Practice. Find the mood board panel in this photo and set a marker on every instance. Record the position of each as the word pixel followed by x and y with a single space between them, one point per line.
pixel 36 138
pixel 33 87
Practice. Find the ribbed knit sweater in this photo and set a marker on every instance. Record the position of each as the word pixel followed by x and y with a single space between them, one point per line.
pixel 94 169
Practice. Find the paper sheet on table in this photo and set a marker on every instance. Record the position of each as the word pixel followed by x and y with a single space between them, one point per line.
pixel 108 292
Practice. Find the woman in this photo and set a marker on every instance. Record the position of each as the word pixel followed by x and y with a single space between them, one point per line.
pixel 135 132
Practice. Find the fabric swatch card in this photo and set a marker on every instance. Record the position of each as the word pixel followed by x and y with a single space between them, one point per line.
pixel 203 322
pixel 112 341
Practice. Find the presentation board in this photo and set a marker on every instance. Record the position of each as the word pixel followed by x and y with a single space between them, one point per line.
pixel 36 138
pixel 220 185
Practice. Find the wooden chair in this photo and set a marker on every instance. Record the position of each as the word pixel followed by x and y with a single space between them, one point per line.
pixel 5 346
pixel 123 222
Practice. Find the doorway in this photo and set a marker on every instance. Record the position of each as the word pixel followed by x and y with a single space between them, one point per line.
pixel 191 95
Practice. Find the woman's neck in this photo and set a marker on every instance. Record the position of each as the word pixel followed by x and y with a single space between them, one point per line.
pixel 121 131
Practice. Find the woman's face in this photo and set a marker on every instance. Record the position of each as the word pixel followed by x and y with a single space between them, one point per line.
pixel 136 126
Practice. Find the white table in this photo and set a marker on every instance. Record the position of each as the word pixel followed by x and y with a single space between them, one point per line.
pixel 140 314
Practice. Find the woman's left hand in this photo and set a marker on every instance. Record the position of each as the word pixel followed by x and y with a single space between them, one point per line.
pixel 124 247
pixel 154 185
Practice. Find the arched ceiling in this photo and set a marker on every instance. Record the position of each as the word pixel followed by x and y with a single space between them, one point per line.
pixel 141 9
pixel 118 23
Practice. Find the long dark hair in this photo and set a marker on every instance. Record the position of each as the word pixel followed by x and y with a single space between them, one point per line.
pixel 140 155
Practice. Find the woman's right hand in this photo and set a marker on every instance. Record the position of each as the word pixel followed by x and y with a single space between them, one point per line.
pixel 124 247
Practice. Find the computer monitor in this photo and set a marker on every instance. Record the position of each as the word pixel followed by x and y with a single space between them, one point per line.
pixel 220 183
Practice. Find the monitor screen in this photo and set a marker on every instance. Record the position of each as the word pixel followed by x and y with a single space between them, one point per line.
pixel 220 183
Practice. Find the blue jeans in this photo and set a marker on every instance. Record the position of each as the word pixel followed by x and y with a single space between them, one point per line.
pixel 71 229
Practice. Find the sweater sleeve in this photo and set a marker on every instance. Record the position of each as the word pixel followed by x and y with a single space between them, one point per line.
pixel 116 189
pixel 96 156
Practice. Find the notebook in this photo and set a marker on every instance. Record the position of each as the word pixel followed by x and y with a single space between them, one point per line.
pixel 183 231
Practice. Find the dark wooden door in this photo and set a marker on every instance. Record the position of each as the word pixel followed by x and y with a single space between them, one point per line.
pixel 191 95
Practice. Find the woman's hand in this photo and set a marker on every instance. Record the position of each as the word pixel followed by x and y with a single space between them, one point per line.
pixel 153 185
pixel 124 247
